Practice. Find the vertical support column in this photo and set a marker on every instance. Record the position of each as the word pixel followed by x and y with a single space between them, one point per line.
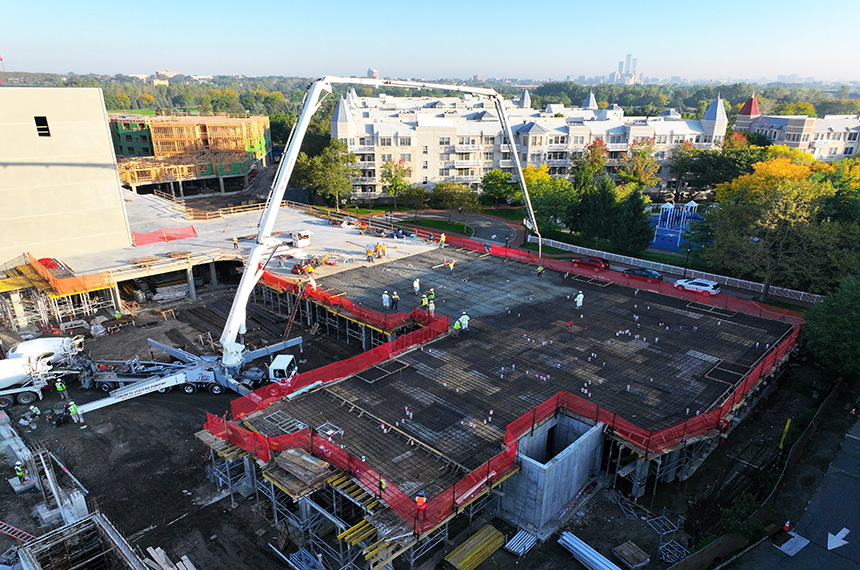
pixel 247 180
pixel 221 184
pixel 250 472
pixel 192 292
pixel 213 275
pixel 671 466
pixel 172 191
pixel 115 298
pixel 274 504
pixel 640 477
pixel 364 338
pixel 181 190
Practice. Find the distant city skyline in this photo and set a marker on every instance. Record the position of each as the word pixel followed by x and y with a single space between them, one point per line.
pixel 732 40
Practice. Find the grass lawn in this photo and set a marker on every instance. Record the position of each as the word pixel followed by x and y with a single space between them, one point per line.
pixel 363 210
pixel 450 227
pixel 513 214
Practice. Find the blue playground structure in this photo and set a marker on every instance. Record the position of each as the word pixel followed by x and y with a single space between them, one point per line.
pixel 672 221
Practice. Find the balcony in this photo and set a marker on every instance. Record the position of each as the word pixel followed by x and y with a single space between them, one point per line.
pixel 617 146
pixel 362 196
pixel 556 147
pixel 357 149
pixel 364 180
pixel 506 164
pixel 506 148
pixel 466 163
pixel 368 162
pixel 467 179
pixel 561 162
pixel 467 148
pixel 613 162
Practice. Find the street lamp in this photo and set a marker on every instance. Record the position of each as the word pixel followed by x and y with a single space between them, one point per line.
pixel 687 261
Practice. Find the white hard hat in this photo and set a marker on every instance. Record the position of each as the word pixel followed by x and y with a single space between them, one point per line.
pixel 71 403
pixel 18 463
pixel 385 291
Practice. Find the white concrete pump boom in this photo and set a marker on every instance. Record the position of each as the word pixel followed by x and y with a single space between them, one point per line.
pixel 266 245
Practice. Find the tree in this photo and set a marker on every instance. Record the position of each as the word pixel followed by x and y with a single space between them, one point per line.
pixel 639 165
pixel 280 125
pixel 832 327
pixel 498 187
pixel 330 174
pixel 146 101
pixel 393 176
pixel 596 210
pixel 596 155
pixel 682 160
pixel 631 230
pixel 414 198
pixel 451 196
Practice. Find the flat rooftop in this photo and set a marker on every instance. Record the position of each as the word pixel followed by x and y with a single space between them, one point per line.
pixel 653 360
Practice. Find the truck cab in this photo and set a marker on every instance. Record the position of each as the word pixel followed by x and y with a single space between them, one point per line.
pixel 283 367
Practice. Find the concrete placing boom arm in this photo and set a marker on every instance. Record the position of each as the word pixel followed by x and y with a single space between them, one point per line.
pixel 266 245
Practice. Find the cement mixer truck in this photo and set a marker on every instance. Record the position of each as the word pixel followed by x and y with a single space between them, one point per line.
pixel 33 365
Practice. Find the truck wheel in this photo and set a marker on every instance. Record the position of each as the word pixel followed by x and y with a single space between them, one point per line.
pixel 26 398
pixel 216 389
pixel 104 386
pixel 165 390
pixel 5 402
pixel 189 388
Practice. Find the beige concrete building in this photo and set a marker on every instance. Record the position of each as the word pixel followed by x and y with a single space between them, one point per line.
pixel 59 185
pixel 831 138
pixel 452 139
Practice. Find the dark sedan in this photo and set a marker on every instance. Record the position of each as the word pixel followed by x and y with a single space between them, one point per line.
pixel 648 275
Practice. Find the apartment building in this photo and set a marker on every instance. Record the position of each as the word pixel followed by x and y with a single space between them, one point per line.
pixel 833 137
pixel 460 139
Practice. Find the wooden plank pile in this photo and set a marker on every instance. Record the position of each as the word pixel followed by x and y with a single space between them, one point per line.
pixel 160 561
pixel 262 326
pixel 631 555
pixel 303 466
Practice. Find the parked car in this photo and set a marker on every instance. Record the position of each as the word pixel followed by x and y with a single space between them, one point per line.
pixel 703 286
pixel 594 262
pixel 641 273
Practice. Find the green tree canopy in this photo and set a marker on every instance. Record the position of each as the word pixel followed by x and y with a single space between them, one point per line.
pixel 330 174
pixel 639 166
pixel 832 329
pixel 498 187
pixel 393 176
pixel 631 231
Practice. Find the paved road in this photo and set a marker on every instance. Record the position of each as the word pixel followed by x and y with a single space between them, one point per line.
pixel 486 228
pixel 834 507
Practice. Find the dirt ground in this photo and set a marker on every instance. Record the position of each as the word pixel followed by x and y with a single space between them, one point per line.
pixel 145 470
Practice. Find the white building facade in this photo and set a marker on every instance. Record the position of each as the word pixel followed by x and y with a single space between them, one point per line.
pixel 454 139
pixel 831 138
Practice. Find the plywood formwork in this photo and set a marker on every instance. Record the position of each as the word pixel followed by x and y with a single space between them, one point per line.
pixel 153 170
pixel 181 135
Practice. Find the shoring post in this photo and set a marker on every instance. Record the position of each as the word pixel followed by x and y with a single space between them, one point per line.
pixel 534 415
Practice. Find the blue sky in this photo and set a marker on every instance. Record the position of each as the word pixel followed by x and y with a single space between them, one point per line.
pixel 732 39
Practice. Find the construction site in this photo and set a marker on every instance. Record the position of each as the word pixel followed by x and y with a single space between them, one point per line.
pixel 245 396
pixel 189 155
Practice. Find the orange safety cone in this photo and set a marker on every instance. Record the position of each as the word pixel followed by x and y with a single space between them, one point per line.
pixel 787 525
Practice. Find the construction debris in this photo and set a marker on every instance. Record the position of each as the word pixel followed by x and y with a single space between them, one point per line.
pixel 160 561
pixel 476 549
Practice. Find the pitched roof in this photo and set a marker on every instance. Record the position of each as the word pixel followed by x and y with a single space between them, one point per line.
pixel 716 111
pixel 341 112
pixel 750 108
pixel 532 128
pixel 590 102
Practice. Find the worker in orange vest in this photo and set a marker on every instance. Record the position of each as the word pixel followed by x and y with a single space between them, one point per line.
pixel 421 501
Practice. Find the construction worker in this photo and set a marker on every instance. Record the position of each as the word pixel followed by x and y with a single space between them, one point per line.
pixel 431 295
pixel 369 255
pixel 457 327
pixel 464 321
pixel 20 472
pixel 235 243
pixel 421 501
pixel 384 248
pixel 451 266
pixel 386 300
pixel 540 270
pixel 382 485
pixel 378 250
pixel 579 299
pixel 73 411
pixel 431 306
pixel 395 298
pixel 61 389
pixel 33 414
pixel 424 301
pixel 416 286
pixel 442 240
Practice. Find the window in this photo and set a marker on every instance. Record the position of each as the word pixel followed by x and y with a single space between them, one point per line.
pixel 660 139
pixel 425 150
pixel 489 140
pixel 506 156
pixel 444 141
pixel 127 138
pixel 578 140
pixel 805 137
pixel 848 150
pixel 488 156
pixel 385 157
pixel 444 156
pixel 42 127
pixel 558 139
pixel 143 138
pixel 424 180
pixel 425 165
pixel 384 141
pixel 366 141
pixel 535 157
pixel 405 141
pixel 617 139
pixel 466 140
pixel 126 126
pixel 119 149
pixel 537 140
pixel 852 136
pixel 832 150
pixel 141 126
pixel 407 157
pixel 444 172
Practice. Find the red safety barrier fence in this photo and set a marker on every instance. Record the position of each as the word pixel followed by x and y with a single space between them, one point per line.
pixel 164 234
pixel 460 493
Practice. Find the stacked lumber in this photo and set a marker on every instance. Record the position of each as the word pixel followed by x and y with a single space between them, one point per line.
pixel 160 561
pixel 476 549
pixel 262 326
pixel 303 465
pixel 171 292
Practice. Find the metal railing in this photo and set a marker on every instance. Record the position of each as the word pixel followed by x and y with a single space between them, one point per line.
pixel 677 270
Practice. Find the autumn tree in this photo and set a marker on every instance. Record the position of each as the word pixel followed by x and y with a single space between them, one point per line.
pixel 639 165
pixel 146 101
pixel 393 176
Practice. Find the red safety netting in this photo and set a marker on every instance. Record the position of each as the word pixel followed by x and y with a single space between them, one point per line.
pixel 444 503
pixel 164 234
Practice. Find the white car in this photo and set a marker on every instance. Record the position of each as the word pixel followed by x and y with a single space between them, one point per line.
pixel 699 285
